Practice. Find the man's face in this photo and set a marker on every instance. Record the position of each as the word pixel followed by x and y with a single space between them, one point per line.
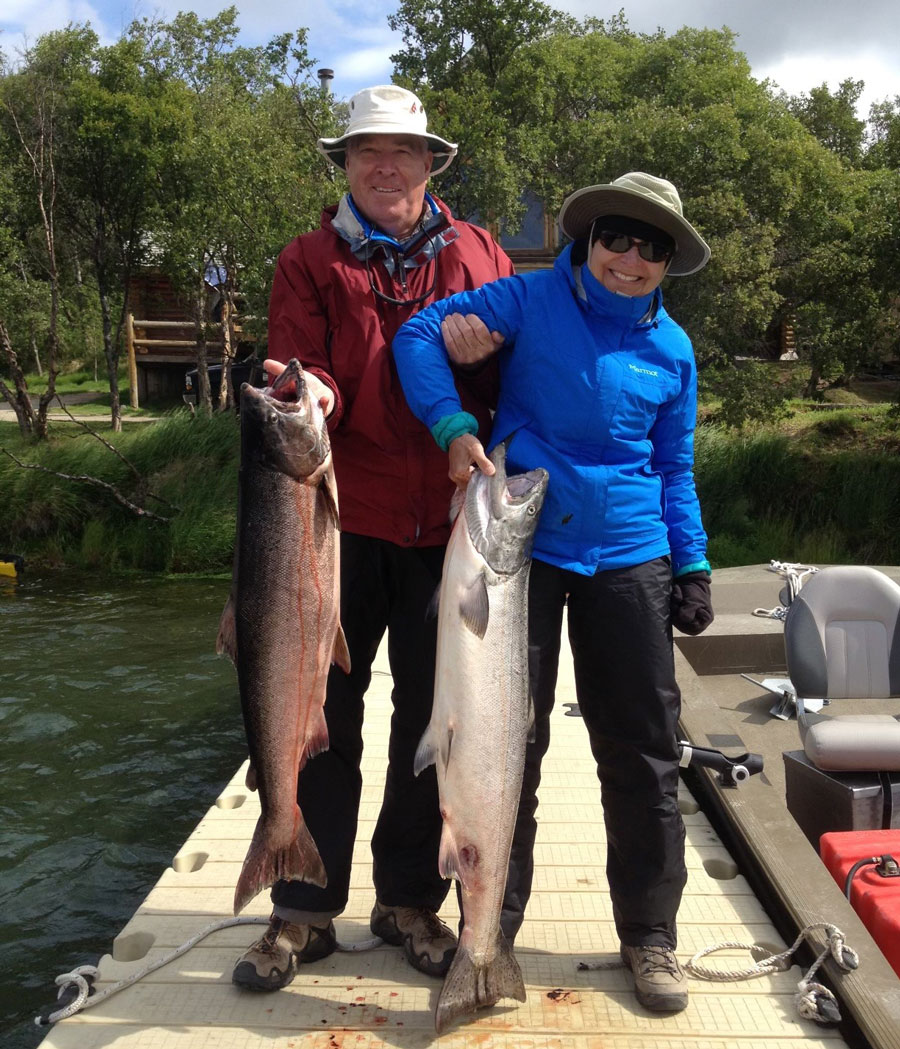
pixel 387 175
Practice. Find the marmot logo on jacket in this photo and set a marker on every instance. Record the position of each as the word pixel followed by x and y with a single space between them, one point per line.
pixel 643 371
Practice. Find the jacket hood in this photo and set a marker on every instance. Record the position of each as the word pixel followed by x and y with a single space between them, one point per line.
pixel 365 240
pixel 592 295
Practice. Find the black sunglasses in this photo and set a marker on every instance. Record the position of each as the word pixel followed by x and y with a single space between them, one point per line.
pixel 648 250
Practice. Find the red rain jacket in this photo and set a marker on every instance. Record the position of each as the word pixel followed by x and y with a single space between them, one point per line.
pixel 391 475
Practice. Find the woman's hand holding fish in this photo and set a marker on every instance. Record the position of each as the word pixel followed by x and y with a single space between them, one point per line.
pixel 466 454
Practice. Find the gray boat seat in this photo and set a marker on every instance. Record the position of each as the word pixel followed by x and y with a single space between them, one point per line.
pixel 842 641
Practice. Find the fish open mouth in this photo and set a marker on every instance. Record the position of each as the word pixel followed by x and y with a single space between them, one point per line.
pixel 516 489
pixel 289 387
pixel 520 486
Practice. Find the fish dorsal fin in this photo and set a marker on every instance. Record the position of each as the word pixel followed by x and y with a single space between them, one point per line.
pixel 474 607
pixel 341 653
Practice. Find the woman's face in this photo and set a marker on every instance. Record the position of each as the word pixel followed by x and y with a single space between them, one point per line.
pixel 626 274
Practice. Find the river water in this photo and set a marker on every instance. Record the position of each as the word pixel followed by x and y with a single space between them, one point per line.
pixel 119 726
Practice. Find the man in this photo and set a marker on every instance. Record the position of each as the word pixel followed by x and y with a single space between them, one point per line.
pixel 339 295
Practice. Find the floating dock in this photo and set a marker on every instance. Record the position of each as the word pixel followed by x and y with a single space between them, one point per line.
pixel 374 999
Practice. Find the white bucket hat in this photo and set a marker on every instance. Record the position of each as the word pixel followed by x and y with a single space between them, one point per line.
pixel 647 198
pixel 387 110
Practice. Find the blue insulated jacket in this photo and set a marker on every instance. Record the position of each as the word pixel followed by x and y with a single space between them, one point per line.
pixel 601 390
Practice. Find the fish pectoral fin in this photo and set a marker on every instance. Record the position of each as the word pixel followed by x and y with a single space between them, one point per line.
pixel 434 604
pixel 341 653
pixel 474 607
pixel 328 488
pixel 457 501
pixel 530 734
pixel 226 639
pixel 316 736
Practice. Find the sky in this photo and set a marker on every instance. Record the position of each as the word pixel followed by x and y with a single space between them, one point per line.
pixel 797 44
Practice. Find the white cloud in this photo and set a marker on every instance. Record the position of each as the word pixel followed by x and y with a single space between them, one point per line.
pixel 796 43
pixel 799 74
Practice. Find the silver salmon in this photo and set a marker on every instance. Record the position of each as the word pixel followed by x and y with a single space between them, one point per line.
pixel 480 721
pixel 281 623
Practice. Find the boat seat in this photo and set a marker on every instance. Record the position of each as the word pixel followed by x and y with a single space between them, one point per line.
pixel 842 641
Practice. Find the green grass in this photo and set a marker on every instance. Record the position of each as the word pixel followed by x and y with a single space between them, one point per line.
pixel 822 491
pixel 819 488
pixel 189 462
pixel 76 379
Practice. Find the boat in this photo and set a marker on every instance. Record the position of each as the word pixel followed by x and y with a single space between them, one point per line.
pixel 11 566
pixel 772 825
pixel 756 888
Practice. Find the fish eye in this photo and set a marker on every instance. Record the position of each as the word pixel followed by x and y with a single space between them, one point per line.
pixel 530 511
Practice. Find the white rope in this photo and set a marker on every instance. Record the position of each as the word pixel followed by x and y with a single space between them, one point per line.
pixel 796 575
pixel 813 1000
pixel 82 978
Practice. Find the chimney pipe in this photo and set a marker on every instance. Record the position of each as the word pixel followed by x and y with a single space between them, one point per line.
pixel 325 77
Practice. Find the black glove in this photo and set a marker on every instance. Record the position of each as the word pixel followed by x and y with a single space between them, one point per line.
pixel 691 603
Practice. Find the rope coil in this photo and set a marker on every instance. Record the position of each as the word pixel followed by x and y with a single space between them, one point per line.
pixel 813 1000
pixel 795 575
pixel 76 988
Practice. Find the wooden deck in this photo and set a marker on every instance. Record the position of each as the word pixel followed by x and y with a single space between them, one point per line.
pixel 375 999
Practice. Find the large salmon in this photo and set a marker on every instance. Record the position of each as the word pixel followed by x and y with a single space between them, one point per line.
pixel 480 721
pixel 281 623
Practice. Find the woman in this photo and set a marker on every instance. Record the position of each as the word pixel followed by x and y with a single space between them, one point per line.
pixel 598 386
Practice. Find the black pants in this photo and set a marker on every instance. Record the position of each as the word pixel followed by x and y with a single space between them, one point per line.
pixel 621 637
pixel 383 586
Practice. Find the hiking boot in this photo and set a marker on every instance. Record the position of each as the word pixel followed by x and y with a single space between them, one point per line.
pixel 271 962
pixel 428 944
pixel 659 981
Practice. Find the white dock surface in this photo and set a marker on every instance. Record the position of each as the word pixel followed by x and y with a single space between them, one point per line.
pixel 375 999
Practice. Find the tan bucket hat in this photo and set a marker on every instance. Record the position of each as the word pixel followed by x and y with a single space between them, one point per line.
pixel 647 198
pixel 387 110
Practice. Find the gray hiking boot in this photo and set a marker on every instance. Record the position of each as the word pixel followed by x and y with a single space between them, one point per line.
pixel 428 944
pixel 271 962
pixel 659 981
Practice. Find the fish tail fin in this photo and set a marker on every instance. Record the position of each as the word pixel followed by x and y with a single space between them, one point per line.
pixel 263 866
pixel 226 639
pixel 469 987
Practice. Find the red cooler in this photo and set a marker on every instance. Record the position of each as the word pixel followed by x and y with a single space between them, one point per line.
pixel 874 898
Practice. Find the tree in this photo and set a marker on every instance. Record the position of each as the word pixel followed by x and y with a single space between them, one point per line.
pixel 122 124
pixel 884 144
pixel 248 177
pixel 31 105
pixel 832 118
pixel 457 55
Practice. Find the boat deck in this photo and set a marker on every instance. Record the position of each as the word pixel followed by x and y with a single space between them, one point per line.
pixel 373 999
